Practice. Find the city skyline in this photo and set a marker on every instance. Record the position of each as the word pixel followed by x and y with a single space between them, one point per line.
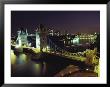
pixel 70 21
pixel 46 53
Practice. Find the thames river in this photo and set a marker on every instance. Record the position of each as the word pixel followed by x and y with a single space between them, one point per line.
pixel 27 65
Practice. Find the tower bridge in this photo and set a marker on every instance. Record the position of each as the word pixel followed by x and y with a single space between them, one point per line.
pixel 47 45
pixel 43 43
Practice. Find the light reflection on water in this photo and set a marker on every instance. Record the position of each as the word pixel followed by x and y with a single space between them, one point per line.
pixel 39 68
pixel 22 59
pixel 13 57
pixel 84 41
pixel 22 65
pixel 19 59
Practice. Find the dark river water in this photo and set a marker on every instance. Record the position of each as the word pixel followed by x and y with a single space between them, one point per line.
pixel 26 65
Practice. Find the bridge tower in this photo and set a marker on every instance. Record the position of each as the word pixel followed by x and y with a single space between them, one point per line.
pixel 22 37
pixel 41 38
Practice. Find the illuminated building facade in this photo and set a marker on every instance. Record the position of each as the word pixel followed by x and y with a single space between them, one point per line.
pixel 75 40
pixel 50 32
pixel 87 38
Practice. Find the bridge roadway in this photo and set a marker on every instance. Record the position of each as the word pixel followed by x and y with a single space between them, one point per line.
pixel 73 56
pixel 65 54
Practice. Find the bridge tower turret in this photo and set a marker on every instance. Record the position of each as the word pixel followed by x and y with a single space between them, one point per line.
pixel 22 37
pixel 41 38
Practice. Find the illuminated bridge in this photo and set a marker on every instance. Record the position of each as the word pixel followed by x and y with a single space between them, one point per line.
pixel 64 46
pixel 55 45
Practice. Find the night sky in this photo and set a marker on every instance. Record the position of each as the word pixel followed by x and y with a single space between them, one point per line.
pixel 72 21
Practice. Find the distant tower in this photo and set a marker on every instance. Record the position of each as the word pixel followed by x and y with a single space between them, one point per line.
pixel 22 37
pixel 65 32
pixel 41 38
